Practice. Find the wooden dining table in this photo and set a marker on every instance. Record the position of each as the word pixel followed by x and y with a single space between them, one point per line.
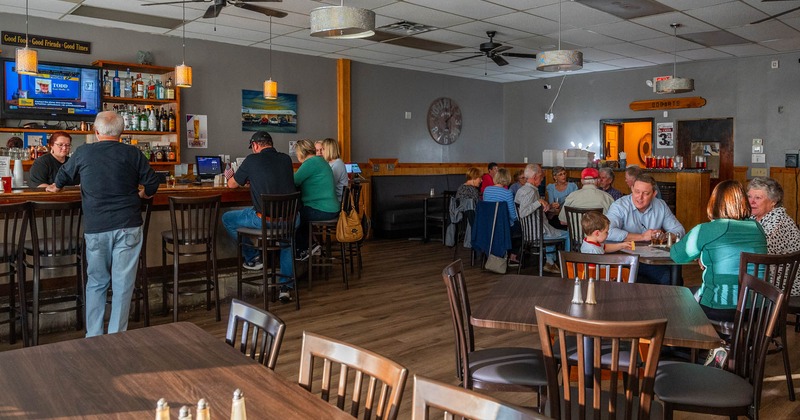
pixel 123 375
pixel 510 305
pixel 655 255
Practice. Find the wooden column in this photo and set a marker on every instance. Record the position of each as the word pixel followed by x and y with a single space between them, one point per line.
pixel 343 106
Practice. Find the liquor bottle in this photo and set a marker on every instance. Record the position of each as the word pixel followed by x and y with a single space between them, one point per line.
pixel 171 153
pixel 160 154
pixel 107 84
pixel 170 89
pixel 151 88
pixel 139 86
pixel 171 120
pixel 143 120
pixel 115 84
pixel 151 120
pixel 159 89
pixel 164 120
pixel 127 85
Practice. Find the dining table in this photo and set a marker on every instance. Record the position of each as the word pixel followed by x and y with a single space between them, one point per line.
pixel 124 375
pixel 659 255
pixel 424 199
pixel 511 301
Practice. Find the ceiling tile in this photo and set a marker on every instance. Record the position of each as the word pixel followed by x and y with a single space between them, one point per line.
pixel 727 15
pixel 474 9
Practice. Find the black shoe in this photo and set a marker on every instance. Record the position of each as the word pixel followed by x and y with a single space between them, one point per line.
pixel 284 296
pixel 304 255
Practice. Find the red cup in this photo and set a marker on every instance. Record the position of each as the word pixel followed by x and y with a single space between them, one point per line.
pixel 6 184
pixel 649 161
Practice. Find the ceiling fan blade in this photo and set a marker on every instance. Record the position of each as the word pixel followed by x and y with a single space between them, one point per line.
pixel 264 10
pixel 174 2
pixel 212 11
pixel 500 49
pixel 518 55
pixel 466 58
pixel 775 16
pixel 500 61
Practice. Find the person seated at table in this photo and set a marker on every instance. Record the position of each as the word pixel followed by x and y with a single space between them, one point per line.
pixel 519 178
pixel 557 192
pixel 606 181
pixel 589 196
pixel 631 173
pixel 638 217
pixel 529 201
pixel 330 151
pixel 718 245
pixel 315 181
pixel 595 232
pixel 469 189
pixel 765 196
pixel 318 147
pixel 487 180
pixel 498 192
pixel 44 169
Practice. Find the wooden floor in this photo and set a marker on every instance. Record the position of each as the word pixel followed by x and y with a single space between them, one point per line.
pixel 398 308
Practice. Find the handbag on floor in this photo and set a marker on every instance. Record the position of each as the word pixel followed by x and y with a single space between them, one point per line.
pixel 494 263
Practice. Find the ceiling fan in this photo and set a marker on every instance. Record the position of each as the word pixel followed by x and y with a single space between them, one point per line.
pixel 777 14
pixel 217 5
pixel 494 50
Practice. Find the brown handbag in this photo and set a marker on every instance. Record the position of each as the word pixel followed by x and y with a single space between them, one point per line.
pixel 348 228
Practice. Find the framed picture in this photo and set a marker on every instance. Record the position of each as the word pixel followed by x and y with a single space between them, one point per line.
pixel 35 139
pixel 273 115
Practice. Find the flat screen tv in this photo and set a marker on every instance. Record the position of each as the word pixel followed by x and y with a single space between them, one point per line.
pixel 208 167
pixel 56 92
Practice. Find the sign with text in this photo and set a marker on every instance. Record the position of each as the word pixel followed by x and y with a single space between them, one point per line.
pixel 46 42
pixel 674 103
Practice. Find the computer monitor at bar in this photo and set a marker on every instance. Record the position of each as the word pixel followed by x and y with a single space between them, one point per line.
pixel 208 167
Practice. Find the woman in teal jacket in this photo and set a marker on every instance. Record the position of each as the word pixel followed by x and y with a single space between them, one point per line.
pixel 314 179
pixel 718 244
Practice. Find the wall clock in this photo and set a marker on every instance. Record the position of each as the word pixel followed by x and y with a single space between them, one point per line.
pixel 444 121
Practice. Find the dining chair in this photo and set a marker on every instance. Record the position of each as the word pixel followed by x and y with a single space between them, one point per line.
pixel 194 222
pixel 594 397
pixel 574 216
pixel 793 308
pixel 489 214
pixel 13 233
pixel 261 332
pixel 605 267
pixel 533 240
pixel 735 391
pixel 438 215
pixel 278 225
pixel 455 401
pixel 507 369
pixel 462 230
pixel 56 244
pixel 385 379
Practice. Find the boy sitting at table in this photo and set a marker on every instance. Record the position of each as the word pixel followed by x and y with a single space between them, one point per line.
pixel 595 232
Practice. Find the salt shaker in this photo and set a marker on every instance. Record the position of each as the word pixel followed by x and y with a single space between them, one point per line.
pixel 577 295
pixel 669 240
pixel 237 407
pixel 185 413
pixel 590 296
pixel 433 192
pixel 162 410
pixel 202 410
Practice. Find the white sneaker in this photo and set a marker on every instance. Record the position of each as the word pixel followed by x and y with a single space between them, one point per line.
pixel 316 250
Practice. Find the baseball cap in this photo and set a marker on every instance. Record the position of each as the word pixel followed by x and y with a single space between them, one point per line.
pixel 259 136
pixel 590 173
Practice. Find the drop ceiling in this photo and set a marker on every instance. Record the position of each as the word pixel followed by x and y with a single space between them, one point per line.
pixel 613 34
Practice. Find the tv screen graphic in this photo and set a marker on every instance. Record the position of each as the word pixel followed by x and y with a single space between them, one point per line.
pixel 56 91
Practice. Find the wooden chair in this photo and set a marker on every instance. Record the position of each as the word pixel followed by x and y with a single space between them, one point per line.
pixel 261 332
pixel 14 231
pixel 56 244
pixel 599 266
pixel 194 223
pixel 633 399
pixel 533 239
pixel 385 378
pixel 512 369
pixel 438 217
pixel 461 402
pixel 735 391
pixel 278 223
pixel 467 219
pixel 574 216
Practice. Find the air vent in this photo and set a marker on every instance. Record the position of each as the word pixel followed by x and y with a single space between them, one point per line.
pixel 406 28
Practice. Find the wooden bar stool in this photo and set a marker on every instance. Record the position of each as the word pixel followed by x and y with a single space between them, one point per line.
pixel 14 229
pixel 194 223
pixel 325 231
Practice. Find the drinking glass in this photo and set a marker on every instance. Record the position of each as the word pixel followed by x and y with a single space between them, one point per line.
pixel 657 238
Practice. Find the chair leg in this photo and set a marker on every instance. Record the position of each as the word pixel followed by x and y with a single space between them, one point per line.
pixel 344 265
pixel 310 257
pixel 145 297
pixel 786 366
pixel 164 303
pixel 215 273
pixel 239 263
pixel 175 262
pixel 667 410
pixel 12 315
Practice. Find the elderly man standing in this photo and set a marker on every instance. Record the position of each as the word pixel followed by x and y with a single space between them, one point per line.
pixel 529 201
pixel 636 217
pixel 110 174
pixel 606 180
pixel 588 197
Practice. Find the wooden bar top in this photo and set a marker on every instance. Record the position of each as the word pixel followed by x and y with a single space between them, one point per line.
pixel 230 196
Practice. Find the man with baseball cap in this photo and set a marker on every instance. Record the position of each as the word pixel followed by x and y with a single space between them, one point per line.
pixel 588 197
pixel 268 172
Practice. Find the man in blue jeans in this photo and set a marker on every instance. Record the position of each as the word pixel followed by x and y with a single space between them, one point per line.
pixel 268 172
pixel 110 174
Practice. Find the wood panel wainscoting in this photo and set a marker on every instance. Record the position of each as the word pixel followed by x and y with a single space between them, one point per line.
pixel 789 178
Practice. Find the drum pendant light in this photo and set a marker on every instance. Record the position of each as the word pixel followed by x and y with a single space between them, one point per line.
pixel 342 22
pixel 183 73
pixel 27 60
pixel 270 86
pixel 559 60
pixel 675 84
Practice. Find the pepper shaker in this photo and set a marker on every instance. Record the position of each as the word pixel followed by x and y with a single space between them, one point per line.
pixel 590 295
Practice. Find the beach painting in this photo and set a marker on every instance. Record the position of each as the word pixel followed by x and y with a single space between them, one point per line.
pixel 273 115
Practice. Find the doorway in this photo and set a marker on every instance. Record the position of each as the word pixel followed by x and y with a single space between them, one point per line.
pixel 633 136
pixel 711 139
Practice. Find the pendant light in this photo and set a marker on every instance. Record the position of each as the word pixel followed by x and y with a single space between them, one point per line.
pixel 183 73
pixel 26 60
pixel 342 22
pixel 270 86
pixel 675 84
pixel 559 60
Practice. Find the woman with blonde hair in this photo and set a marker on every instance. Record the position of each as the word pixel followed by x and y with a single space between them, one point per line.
pixel 330 151
pixel 314 179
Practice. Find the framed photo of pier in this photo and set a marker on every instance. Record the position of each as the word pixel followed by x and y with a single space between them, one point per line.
pixel 273 115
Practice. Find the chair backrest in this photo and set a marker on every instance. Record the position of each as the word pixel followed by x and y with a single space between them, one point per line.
pixel 385 379
pixel 13 231
pixel 617 267
pixel 574 216
pixel 452 400
pixel 282 209
pixel 533 227
pixel 56 228
pixel 757 316
pixel 453 276
pixel 602 335
pixel 778 270
pixel 261 332
pixel 194 220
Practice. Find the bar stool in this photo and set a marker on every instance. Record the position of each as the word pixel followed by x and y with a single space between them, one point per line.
pixel 194 223
pixel 13 231
pixel 325 230
pixel 56 244
pixel 278 224
pixel 354 248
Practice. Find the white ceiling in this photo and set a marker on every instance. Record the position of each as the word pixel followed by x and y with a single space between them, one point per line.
pixel 530 26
